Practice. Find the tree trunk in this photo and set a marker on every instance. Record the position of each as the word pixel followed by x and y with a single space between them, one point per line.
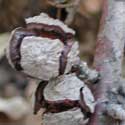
pixel 108 59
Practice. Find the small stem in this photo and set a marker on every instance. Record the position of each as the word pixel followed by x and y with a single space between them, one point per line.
pixel 58 16
pixel 58 5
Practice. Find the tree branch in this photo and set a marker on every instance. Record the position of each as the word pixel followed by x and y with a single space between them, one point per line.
pixel 108 56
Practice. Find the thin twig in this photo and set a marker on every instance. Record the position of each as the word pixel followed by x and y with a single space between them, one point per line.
pixel 58 16
pixel 65 5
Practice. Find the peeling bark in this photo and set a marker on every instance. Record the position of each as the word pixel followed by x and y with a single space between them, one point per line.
pixel 108 58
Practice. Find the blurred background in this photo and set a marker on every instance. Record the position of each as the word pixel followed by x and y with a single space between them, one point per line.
pixel 15 88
